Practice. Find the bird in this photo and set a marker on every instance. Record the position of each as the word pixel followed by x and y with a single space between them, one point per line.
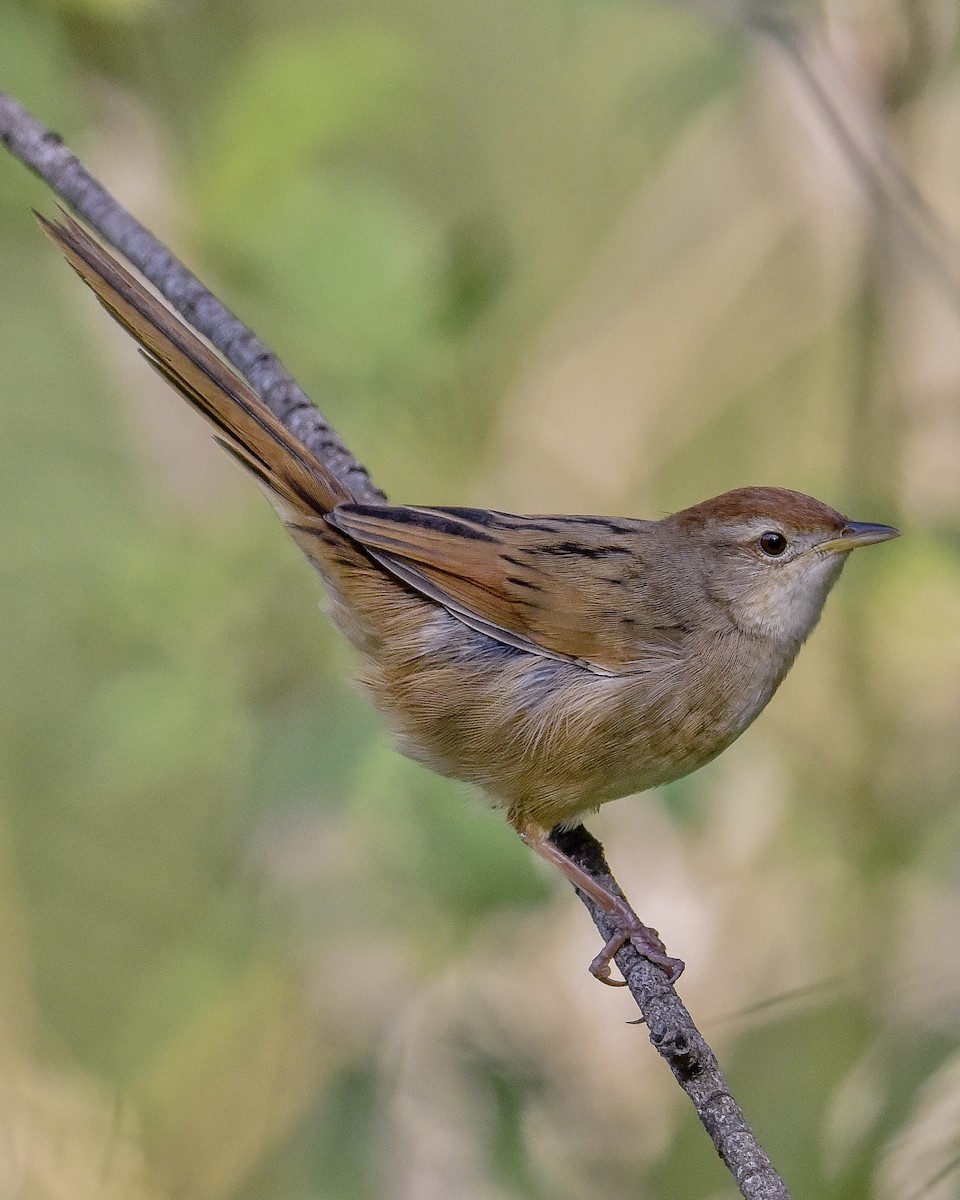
pixel 556 662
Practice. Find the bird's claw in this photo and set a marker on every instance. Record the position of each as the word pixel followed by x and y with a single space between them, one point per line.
pixel 647 942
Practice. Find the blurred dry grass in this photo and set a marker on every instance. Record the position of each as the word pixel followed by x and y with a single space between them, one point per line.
pixel 601 256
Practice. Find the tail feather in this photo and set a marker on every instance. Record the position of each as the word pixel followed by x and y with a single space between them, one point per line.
pixel 294 479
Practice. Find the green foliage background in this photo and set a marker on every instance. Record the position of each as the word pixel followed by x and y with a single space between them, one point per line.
pixel 591 256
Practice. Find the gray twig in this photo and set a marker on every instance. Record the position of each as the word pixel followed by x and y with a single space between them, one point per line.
pixel 672 1031
pixel 679 1042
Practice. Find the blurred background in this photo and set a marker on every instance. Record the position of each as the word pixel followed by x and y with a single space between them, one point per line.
pixel 575 255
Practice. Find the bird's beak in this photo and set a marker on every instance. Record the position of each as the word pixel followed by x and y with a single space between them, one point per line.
pixel 858 533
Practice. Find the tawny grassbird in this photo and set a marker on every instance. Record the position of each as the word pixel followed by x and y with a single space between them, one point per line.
pixel 557 662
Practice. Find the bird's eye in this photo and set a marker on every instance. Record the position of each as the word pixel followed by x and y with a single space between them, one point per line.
pixel 773 543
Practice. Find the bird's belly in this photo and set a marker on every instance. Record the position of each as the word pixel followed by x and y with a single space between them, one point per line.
pixel 545 738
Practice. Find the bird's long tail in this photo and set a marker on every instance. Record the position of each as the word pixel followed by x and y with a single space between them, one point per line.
pixel 298 485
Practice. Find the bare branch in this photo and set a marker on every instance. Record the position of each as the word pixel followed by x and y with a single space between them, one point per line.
pixel 672 1031
pixel 679 1042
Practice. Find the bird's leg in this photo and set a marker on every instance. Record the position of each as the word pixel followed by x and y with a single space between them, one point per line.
pixel 629 926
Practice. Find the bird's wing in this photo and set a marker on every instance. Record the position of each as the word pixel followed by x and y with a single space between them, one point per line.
pixel 568 587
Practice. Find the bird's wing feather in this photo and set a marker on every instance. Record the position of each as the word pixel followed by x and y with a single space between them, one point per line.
pixel 568 587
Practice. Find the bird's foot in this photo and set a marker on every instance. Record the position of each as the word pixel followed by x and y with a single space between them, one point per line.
pixel 646 941
pixel 629 927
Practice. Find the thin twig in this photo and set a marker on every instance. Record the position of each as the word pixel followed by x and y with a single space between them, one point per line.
pixel 853 123
pixel 671 1029
pixel 678 1041
pixel 896 199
